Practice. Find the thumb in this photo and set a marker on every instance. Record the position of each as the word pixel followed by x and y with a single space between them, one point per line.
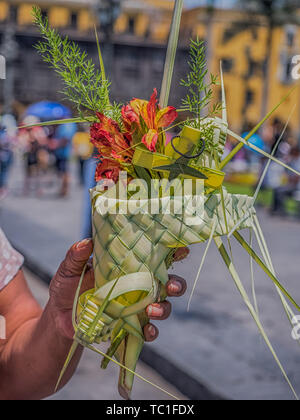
pixel 65 282
pixel 76 258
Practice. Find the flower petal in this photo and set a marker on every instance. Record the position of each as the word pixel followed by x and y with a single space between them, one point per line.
pixel 165 117
pixel 129 117
pixel 108 169
pixel 151 109
pixel 150 140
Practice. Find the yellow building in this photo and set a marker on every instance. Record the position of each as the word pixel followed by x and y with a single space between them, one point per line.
pixel 233 37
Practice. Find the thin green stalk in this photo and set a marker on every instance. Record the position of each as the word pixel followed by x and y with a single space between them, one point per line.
pixel 241 288
pixel 60 122
pixel 101 62
pixel 256 258
pixel 114 347
pixel 131 371
pixel 171 54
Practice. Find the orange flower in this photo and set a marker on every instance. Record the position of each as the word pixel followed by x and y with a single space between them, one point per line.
pixel 107 137
pixel 148 118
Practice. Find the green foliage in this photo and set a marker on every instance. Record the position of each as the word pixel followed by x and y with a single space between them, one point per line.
pixel 199 92
pixel 84 85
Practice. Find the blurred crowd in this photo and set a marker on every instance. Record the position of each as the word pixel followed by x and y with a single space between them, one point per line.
pixel 46 154
pixel 248 166
pixel 47 151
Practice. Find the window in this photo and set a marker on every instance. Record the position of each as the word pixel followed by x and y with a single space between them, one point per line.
pixel 290 35
pixel 13 13
pixel 74 20
pixel 249 99
pixel 227 64
pixel 44 13
pixel 131 25
pixel 285 72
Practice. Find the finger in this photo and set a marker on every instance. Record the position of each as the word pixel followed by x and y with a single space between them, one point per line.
pixel 76 259
pixel 176 286
pixel 151 332
pixel 65 282
pixel 159 311
pixel 181 254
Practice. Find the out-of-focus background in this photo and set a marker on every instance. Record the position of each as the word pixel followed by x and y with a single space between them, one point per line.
pixel 213 351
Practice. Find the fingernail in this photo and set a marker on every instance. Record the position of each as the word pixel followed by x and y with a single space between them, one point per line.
pixel 83 244
pixel 175 286
pixel 152 331
pixel 155 311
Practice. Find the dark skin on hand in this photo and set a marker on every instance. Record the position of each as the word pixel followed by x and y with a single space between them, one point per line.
pixel 32 356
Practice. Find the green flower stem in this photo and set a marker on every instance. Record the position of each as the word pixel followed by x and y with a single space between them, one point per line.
pixel 171 54
pixel 256 258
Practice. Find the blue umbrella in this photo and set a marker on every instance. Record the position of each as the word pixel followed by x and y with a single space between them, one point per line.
pixel 47 111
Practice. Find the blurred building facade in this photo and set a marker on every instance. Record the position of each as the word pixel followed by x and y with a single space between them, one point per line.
pixel 138 41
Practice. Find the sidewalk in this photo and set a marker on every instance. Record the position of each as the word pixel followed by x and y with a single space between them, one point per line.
pixel 213 350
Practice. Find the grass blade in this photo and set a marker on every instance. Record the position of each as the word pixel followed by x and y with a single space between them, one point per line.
pixel 131 371
pixel 171 54
pixel 260 151
pixel 246 299
pixel 256 258
pixel 202 263
pixel 265 251
pixel 252 275
pixel 101 62
pixel 59 122
pixel 272 154
pixel 66 364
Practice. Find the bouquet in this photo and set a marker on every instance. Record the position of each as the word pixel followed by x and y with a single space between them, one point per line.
pixel 153 196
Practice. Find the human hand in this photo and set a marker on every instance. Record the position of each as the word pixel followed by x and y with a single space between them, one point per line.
pixel 64 285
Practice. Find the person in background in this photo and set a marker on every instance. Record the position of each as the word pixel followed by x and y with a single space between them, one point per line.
pixel 281 193
pixel 62 140
pixel 254 158
pixel 8 130
pixel 6 158
pixel 37 341
pixel 34 142
pixel 239 162
pixel 83 149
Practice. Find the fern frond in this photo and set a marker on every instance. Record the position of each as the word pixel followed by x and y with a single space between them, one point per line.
pixel 84 85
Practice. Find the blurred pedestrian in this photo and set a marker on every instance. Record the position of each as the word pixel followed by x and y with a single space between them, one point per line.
pixel 83 150
pixel 292 187
pixel 34 142
pixel 253 157
pixel 62 137
pixel 7 140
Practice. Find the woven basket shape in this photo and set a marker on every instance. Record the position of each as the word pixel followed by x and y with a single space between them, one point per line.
pixel 125 244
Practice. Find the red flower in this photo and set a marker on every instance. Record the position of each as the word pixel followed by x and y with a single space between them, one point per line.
pixel 107 137
pixel 129 117
pixel 108 169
